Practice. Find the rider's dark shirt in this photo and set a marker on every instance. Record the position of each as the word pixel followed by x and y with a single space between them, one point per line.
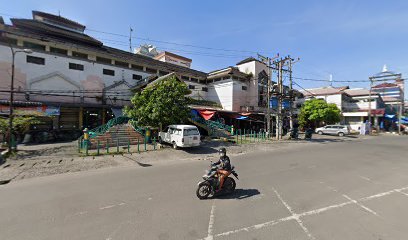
pixel 224 163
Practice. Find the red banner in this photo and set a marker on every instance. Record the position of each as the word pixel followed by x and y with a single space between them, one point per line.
pixel 206 114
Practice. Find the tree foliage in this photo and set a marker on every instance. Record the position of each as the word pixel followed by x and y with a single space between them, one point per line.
pixel 20 124
pixel 316 111
pixel 161 104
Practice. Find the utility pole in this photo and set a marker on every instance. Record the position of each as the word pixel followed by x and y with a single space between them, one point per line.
pixel 267 62
pixel 369 106
pixel 130 39
pixel 290 94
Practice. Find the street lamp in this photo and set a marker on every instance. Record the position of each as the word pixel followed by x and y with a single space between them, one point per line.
pixel 13 53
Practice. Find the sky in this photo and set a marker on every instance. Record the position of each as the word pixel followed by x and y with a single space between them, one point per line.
pixel 351 40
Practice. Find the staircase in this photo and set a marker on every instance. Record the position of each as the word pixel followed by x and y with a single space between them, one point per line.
pixel 122 135
pixel 214 129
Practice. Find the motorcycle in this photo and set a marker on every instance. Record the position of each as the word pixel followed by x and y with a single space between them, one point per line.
pixel 293 133
pixel 309 133
pixel 208 187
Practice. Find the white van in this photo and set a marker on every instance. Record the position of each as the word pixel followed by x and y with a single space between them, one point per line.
pixel 180 136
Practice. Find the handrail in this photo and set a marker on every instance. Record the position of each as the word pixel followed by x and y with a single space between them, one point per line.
pixel 104 128
pixel 138 129
pixel 212 124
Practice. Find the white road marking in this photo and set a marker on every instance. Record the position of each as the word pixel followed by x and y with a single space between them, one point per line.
pixel 107 207
pixel 308 213
pixel 406 194
pixel 294 215
pixel 121 204
pixel 360 205
pixel 365 178
pixel 210 235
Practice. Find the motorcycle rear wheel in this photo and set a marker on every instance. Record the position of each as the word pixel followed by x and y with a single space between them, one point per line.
pixel 229 185
pixel 203 190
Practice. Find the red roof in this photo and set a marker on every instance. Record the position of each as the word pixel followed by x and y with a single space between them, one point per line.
pixel 386 85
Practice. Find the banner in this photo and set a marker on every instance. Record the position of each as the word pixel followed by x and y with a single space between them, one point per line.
pixel 32 110
pixel 206 114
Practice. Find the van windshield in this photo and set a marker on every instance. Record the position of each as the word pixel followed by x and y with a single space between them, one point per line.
pixel 190 132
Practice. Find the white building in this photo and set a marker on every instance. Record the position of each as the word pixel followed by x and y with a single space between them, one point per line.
pixel 353 103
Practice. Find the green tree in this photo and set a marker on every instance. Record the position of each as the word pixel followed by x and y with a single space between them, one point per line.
pixel 316 111
pixel 20 124
pixel 161 104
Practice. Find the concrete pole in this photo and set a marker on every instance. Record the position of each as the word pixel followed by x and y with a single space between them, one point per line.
pixel 369 106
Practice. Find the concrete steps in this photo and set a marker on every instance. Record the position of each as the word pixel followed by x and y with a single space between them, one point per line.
pixel 121 135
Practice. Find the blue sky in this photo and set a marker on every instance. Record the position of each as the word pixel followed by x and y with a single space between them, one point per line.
pixel 349 39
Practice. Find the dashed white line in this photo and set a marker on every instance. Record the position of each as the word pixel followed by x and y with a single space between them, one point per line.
pixel 365 178
pixel 360 205
pixel 107 207
pixel 210 235
pixel 294 215
pixel 400 191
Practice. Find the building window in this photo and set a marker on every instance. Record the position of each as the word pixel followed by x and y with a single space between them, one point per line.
pixel 244 88
pixel 79 55
pixel 137 67
pixel 8 40
pixel 121 64
pixel 35 60
pixel 137 77
pixel 205 89
pixel 217 79
pixel 151 70
pixel 108 72
pixel 162 73
pixel 75 66
pixel 191 87
pixel 33 46
pixel 185 78
pixel 194 79
pixel 103 60
pixel 58 51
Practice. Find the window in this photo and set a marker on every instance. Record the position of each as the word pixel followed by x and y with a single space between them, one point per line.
pixel 205 89
pixel 151 70
pixel 191 132
pixel 162 73
pixel 75 66
pixel 108 72
pixel 137 77
pixel 191 87
pixel 103 60
pixel 185 78
pixel 244 88
pixel 33 46
pixel 35 60
pixel 79 55
pixel 8 40
pixel 122 64
pixel 58 51
pixel 194 79
pixel 137 67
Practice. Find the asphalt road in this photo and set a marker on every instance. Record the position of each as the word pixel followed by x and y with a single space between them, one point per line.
pixel 354 189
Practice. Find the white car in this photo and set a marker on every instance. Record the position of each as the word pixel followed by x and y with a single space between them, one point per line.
pixel 339 130
pixel 180 136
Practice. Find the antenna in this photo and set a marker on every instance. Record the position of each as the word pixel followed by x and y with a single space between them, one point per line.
pixel 331 80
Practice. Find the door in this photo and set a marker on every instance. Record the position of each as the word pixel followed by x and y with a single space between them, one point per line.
pixel 191 136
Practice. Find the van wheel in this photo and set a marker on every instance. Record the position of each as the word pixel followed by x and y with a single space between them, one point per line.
pixel 341 134
pixel 320 132
pixel 160 140
pixel 175 145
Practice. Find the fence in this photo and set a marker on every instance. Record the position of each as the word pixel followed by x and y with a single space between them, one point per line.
pixel 114 147
pixel 249 136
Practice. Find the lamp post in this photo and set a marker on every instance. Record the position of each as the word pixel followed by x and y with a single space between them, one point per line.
pixel 13 53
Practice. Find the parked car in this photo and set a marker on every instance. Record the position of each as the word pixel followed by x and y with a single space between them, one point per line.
pixel 339 130
pixel 180 136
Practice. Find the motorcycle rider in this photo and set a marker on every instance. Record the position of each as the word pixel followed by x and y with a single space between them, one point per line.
pixel 224 167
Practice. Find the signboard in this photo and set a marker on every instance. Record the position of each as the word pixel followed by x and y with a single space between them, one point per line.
pixel 31 110
pixel 273 103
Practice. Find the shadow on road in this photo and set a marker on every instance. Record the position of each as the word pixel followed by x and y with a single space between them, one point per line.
pixel 138 163
pixel 210 147
pixel 240 194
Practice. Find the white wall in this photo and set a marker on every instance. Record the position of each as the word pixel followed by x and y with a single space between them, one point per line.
pixel 221 92
pixel 255 68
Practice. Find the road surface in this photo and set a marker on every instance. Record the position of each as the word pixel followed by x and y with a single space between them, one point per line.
pixel 329 189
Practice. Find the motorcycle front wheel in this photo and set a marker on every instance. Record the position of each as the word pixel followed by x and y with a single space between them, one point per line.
pixel 203 190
